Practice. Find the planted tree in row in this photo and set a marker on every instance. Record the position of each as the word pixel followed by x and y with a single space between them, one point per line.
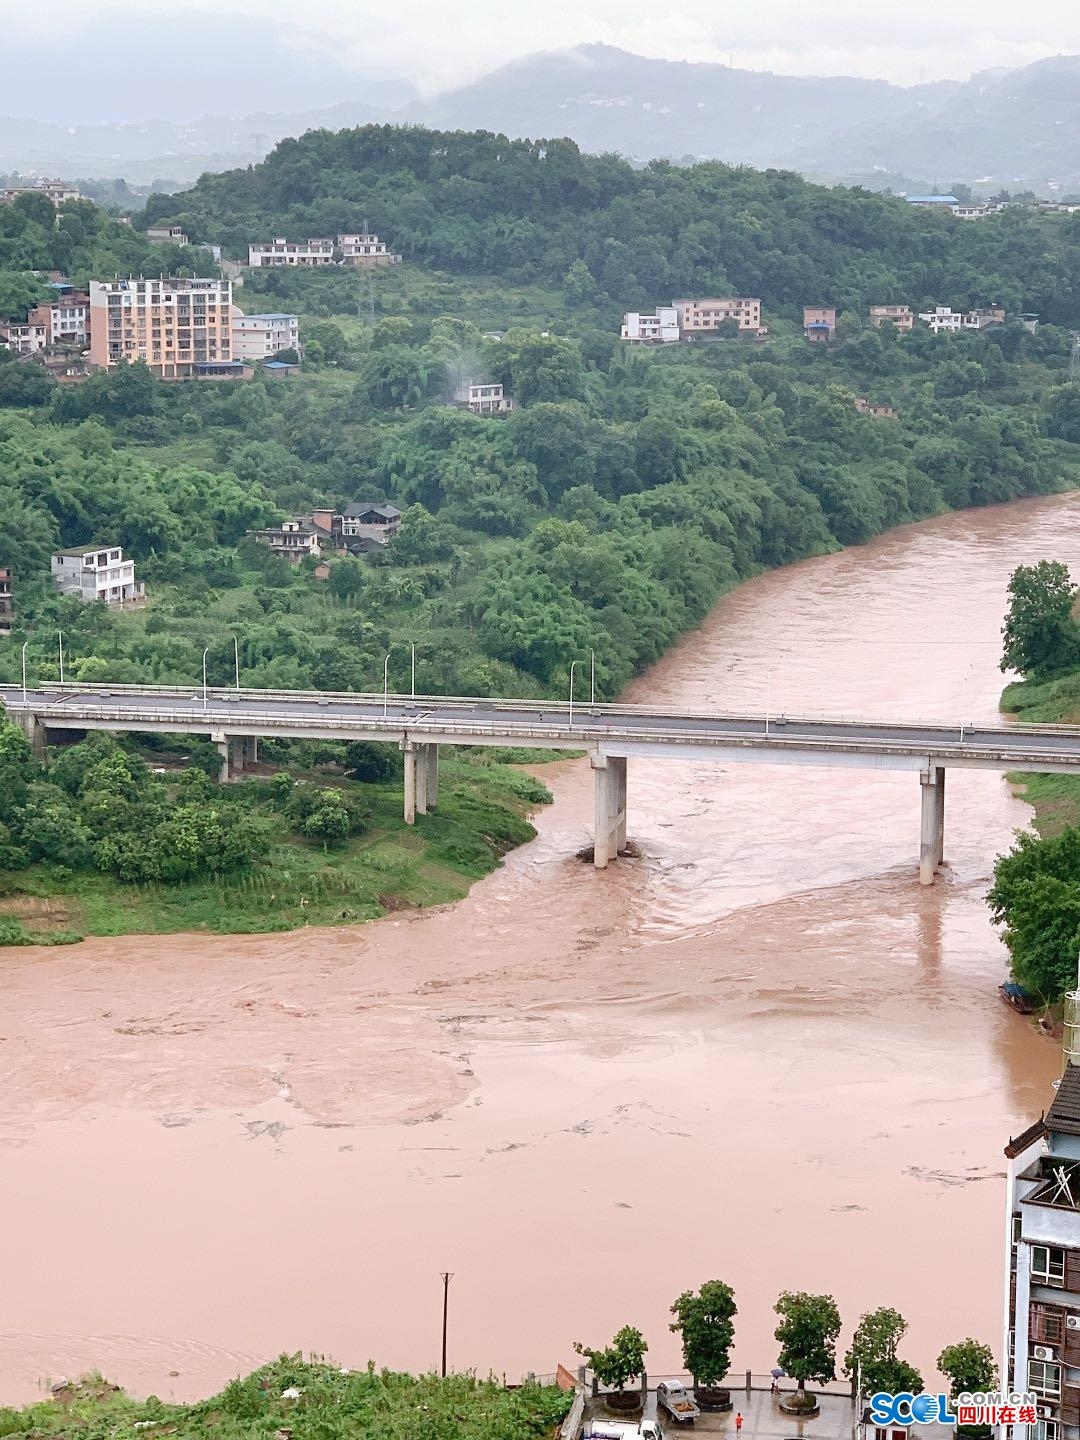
pixel 809 1325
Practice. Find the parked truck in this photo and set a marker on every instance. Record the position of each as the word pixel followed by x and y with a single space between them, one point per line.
pixel 673 1398
pixel 622 1430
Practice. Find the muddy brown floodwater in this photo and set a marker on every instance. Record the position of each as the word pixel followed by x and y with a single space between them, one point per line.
pixel 761 1053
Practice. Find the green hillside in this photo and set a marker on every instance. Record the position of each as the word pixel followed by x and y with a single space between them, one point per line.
pixel 606 514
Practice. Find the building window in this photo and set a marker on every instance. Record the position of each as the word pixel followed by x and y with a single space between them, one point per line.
pixel 1044 1377
pixel 1047 1325
pixel 1048 1265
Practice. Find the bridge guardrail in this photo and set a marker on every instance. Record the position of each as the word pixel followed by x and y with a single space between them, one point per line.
pixel 357 697
pixel 572 737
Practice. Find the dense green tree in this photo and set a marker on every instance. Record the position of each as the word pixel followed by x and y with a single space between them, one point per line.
pixel 872 1357
pixel 704 1322
pixel 809 1325
pixel 970 1367
pixel 621 1361
pixel 1040 632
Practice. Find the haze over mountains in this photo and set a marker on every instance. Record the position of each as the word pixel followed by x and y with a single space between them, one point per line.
pixel 1016 129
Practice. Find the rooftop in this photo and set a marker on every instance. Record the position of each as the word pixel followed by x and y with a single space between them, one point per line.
pixel 1064 1113
pixel 88 549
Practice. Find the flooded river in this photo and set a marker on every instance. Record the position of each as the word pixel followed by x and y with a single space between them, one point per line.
pixel 760 1053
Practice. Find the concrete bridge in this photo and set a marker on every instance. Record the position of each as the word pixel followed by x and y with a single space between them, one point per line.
pixel 418 725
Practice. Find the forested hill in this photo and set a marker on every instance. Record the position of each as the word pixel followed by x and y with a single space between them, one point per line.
pixel 529 210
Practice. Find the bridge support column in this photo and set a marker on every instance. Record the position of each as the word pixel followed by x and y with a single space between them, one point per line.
pixel 431 778
pixel 237 748
pixel 223 768
pixel 34 730
pixel 251 750
pixel 409 751
pixel 932 832
pixel 421 779
pixel 609 790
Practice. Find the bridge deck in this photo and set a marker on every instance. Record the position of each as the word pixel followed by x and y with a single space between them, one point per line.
pixel 616 730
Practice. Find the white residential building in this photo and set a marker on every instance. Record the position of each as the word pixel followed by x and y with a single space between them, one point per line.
pixel 261 337
pixel 57 191
pixel 657 329
pixel 96 572
pixel 483 399
pixel 303 253
pixel 942 318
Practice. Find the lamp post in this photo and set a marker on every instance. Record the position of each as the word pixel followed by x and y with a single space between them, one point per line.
pixel 385 682
pixel 60 637
pixel 592 677
pixel 204 655
pixel 236 659
pixel 25 644
pixel 447 1276
pixel 412 647
pixel 573 667
pixel 768 699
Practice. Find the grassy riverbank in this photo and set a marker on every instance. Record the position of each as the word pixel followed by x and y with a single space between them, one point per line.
pixel 331 1403
pixel 1054 798
pixel 295 880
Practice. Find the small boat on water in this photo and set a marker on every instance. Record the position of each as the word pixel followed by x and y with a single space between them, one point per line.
pixel 1016 996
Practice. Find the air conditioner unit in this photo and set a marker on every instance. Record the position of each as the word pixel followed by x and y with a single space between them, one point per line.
pixel 1044 1412
pixel 1072 1322
pixel 1042 1352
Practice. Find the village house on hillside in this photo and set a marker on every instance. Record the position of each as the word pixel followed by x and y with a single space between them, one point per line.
pixel 901 316
pixel 483 397
pixel 7 605
pixel 819 322
pixel 96 572
pixel 358 251
pixel 362 526
pixel 691 320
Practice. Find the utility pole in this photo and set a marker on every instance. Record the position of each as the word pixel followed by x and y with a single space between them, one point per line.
pixel 1074 359
pixel 447 1276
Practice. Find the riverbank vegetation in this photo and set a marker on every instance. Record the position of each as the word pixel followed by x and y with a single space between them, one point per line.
pixel 1035 896
pixel 108 839
pixel 306 1400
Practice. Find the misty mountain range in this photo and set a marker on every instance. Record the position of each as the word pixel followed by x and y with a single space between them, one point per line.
pixel 1016 129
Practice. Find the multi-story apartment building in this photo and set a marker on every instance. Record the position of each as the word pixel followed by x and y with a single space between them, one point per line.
pixel 1041 1331
pixel 279 251
pixel 660 328
pixel 702 317
pixel 901 316
pixel 173 324
pixel 483 399
pixel 365 249
pixel 261 337
pixel 7 609
pixel 96 572
pixel 819 322
pixel 167 235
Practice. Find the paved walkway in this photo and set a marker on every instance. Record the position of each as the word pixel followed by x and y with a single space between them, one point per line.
pixel 762 1418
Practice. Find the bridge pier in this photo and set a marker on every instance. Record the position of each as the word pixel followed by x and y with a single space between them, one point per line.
pixel 223 748
pixel 932 831
pixel 609 803
pixel 421 779
pixel 34 730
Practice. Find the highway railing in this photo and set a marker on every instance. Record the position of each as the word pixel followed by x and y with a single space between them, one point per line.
pixel 482 730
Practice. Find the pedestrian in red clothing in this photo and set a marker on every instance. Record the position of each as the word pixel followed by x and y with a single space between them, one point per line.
pixel 738 1424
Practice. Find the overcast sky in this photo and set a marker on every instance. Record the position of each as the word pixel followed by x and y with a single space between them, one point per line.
pixel 337 45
